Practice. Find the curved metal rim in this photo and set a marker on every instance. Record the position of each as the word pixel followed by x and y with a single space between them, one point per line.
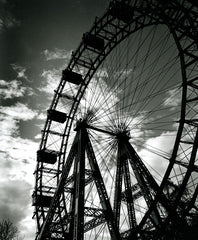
pixel 108 47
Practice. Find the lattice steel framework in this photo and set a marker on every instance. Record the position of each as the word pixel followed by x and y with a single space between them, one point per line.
pixel 68 167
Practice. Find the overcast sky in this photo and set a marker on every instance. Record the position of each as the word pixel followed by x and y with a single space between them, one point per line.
pixel 36 40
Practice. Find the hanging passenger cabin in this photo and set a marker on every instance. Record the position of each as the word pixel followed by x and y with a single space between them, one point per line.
pixel 41 200
pixel 47 156
pixel 93 41
pixel 121 11
pixel 56 116
pixel 72 77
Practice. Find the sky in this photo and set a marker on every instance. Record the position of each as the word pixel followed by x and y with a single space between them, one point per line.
pixel 36 41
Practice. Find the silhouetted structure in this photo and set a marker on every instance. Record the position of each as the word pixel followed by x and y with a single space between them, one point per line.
pixel 72 198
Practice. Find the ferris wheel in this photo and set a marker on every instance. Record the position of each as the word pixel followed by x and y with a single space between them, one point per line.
pixel 118 155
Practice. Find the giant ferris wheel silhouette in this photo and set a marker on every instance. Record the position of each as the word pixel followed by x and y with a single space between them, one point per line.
pixel 118 155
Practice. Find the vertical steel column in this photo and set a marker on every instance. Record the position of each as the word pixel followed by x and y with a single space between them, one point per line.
pixel 104 199
pixel 145 181
pixel 129 196
pixel 118 185
pixel 148 185
pixel 78 233
pixel 122 171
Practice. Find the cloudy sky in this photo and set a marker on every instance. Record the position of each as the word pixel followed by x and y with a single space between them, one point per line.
pixel 36 40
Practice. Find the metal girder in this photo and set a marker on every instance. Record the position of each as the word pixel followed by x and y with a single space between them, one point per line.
pixel 189 170
pixel 55 202
pixel 93 212
pixel 118 185
pixel 148 185
pixel 79 186
pixel 77 225
pixel 136 191
pixel 109 215
pixel 122 171
pixel 88 179
pixel 129 196
pixel 54 133
pixel 145 180
pixel 98 218
pixel 94 223
pixel 185 30
pixel 135 196
pixel 183 164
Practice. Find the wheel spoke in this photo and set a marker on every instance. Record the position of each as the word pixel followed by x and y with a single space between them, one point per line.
pixel 118 155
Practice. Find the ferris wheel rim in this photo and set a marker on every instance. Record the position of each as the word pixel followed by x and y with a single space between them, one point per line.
pixel 71 115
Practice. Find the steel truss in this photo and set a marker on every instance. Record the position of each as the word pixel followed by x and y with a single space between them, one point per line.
pixel 54 219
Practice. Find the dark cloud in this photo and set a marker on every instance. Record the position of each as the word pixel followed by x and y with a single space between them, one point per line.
pixel 14 200
pixel 44 25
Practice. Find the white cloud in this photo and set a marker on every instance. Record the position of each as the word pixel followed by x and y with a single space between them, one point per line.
pixel 13 89
pixel 16 184
pixel 52 78
pixel 8 126
pixel 18 154
pixel 8 22
pixel 11 22
pixel 19 70
pixel 123 73
pixel 96 97
pixel 38 136
pixel 19 111
pixel 104 100
pixel 15 205
pixel 102 73
pixel 56 54
pixel 18 161
pixel 173 98
pixel 28 226
pixel 42 116
pixel 155 151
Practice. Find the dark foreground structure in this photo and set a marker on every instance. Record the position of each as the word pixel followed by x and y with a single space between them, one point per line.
pixel 118 156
